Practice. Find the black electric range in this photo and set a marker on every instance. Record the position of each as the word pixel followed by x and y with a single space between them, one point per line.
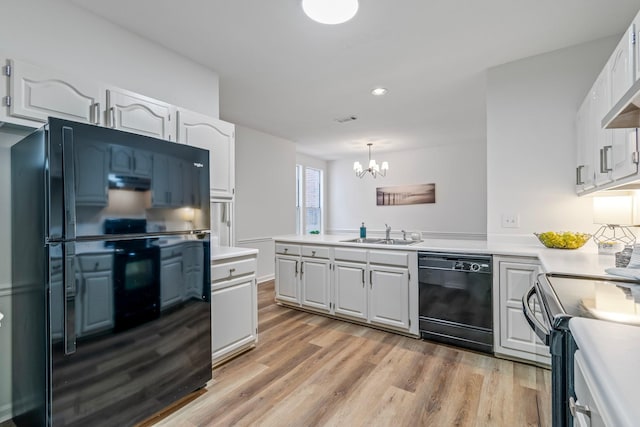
pixel 563 297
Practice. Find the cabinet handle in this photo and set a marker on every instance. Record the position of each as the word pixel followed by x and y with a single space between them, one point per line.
pixel 96 113
pixel 363 277
pixel 604 159
pixel 295 275
pixel 231 271
pixel 301 268
pixel 313 253
pixel 112 120
pixel 286 250
pixel 574 408
pixel 370 279
pixel 579 180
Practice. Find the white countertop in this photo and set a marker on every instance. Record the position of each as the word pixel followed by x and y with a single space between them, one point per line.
pixel 220 253
pixel 584 261
pixel 611 352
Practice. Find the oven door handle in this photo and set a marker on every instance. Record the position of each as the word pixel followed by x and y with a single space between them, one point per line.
pixel 541 330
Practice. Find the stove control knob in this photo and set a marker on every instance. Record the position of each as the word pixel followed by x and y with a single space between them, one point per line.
pixel 475 267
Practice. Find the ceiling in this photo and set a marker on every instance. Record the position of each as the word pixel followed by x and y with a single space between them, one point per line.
pixel 291 77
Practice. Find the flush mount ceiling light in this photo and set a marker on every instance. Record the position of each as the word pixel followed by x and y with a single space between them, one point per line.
pixel 374 169
pixel 330 11
pixel 379 91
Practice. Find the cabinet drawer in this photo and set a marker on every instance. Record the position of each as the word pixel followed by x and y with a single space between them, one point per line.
pixel 389 258
pixel 287 249
pixel 229 270
pixel 96 262
pixel 315 251
pixel 346 254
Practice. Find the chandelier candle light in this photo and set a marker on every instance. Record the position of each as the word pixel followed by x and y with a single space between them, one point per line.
pixel 374 169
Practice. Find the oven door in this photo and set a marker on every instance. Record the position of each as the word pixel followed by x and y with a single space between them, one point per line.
pixel 136 284
pixel 537 323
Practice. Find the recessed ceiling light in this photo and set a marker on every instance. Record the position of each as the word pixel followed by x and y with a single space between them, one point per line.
pixel 330 11
pixel 379 91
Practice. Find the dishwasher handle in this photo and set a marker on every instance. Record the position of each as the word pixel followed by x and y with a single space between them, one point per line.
pixel 538 327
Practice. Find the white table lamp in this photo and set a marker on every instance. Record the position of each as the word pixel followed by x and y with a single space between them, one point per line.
pixel 616 214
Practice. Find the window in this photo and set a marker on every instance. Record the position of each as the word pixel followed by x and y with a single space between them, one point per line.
pixel 308 199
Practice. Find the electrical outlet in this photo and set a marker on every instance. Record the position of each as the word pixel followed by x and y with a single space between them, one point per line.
pixel 510 221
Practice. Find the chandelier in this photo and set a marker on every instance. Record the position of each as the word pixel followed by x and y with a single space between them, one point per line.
pixel 374 169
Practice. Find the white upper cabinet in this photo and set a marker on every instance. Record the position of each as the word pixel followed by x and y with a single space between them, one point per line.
pixel 218 137
pixel 132 112
pixel 36 93
pixel 622 66
pixel 608 157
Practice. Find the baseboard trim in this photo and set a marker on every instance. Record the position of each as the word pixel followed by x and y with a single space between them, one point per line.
pixel 266 278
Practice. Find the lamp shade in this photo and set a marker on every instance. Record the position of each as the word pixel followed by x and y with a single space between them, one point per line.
pixel 615 210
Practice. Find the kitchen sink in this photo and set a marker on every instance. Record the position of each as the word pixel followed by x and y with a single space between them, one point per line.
pixel 364 240
pixel 377 241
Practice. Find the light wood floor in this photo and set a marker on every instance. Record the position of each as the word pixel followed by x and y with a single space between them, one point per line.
pixel 310 370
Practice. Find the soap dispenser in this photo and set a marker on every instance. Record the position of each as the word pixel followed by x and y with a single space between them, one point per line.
pixel 363 231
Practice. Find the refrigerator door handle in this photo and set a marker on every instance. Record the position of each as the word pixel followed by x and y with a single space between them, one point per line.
pixel 68 173
pixel 70 291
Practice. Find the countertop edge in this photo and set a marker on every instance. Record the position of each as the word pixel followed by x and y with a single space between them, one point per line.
pixel 226 252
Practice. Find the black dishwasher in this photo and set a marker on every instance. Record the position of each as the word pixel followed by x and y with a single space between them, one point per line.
pixel 455 292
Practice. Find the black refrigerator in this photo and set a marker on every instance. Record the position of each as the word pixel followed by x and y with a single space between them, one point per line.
pixel 111 277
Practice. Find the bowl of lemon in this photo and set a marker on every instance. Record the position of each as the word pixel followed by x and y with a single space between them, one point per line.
pixel 563 239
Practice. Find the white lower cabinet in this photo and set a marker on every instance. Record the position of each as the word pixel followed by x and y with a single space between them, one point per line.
pixel 389 296
pixel 513 336
pixel 315 280
pixel 350 290
pixel 234 307
pixel 287 278
pixel 364 285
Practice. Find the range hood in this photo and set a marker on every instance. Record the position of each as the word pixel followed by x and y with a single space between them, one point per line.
pixel 626 113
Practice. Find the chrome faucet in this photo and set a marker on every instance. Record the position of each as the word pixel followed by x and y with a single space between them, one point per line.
pixel 404 235
pixel 387 232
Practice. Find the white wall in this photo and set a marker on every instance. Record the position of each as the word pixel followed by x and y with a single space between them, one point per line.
pixel 458 170
pixel 531 141
pixel 265 193
pixel 58 35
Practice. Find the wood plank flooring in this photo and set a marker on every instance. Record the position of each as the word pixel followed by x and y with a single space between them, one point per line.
pixel 309 370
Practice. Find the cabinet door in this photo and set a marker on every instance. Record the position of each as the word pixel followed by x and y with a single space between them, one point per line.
pixel 314 279
pixel 171 282
pixel 91 173
pixel 139 114
pixel 350 290
pixel 585 173
pixel 218 137
pixel 624 152
pixel 233 316
pixel 287 278
pixel 601 138
pixel 142 164
pixel 515 333
pixel 37 93
pixel 97 302
pixel 621 66
pixel 389 296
